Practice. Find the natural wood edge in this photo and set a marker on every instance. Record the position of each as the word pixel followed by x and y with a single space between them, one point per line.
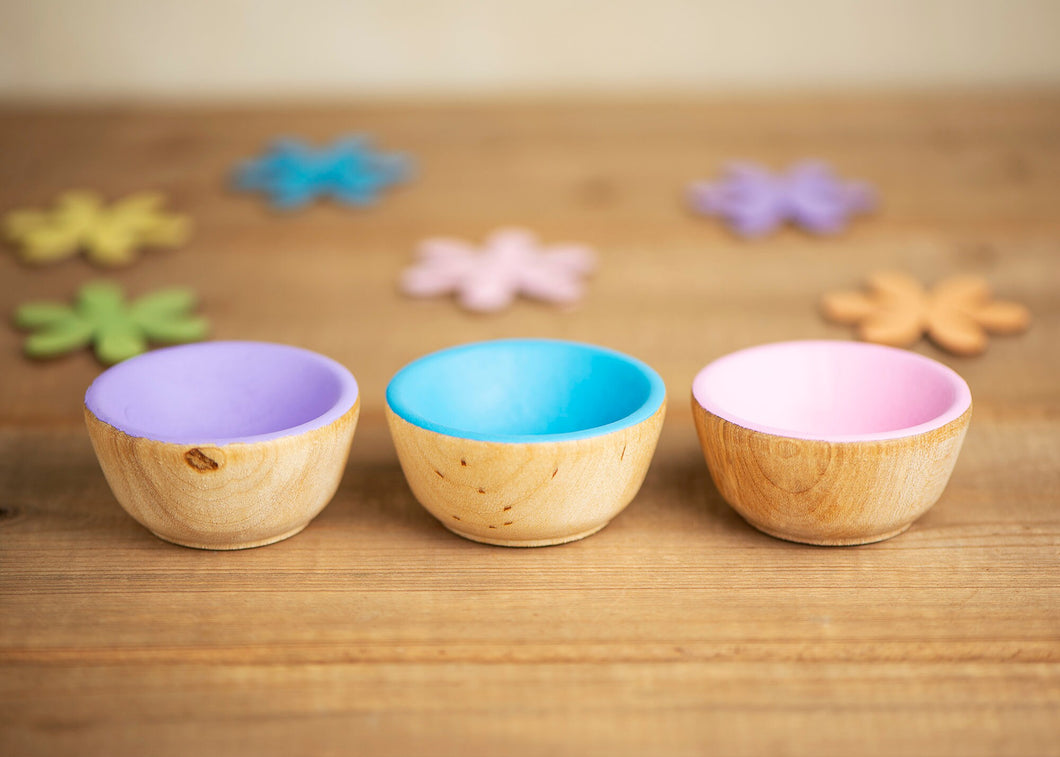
pixel 824 493
pixel 233 496
pixel 242 545
pixel 542 493
pixel 524 543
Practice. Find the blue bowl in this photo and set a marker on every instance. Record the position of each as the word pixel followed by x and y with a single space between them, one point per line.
pixel 525 441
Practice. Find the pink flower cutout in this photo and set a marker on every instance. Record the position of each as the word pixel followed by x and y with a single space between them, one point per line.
pixel 509 264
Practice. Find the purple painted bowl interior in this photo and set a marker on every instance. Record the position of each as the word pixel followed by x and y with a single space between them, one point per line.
pixel 832 391
pixel 222 392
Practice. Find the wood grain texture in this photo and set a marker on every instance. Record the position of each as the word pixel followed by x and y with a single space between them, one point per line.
pixel 828 493
pixel 525 495
pixel 232 496
pixel 676 630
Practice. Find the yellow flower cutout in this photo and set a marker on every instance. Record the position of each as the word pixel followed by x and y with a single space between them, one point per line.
pixel 82 222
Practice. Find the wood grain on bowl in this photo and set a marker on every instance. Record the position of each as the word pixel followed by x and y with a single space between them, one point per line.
pixel 231 496
pixel 828 493
pixel 529 494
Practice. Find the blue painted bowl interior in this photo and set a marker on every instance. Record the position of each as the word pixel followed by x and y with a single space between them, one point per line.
pixel 521 390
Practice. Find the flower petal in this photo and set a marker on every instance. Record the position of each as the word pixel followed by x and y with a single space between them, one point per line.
pixel 511 239
pixel 705 197
pixel 1001 317
pixel 59 338
pixel 79 203
pixel 100 299
pixel 34 315
pixel 755 221
pixel 859 196
pixel 819 218
pixel 292 195
pixel 955 331
pixel 962 291
pixel 119 341
pixel 20 223
pixel 444 248
pixel 487 290
pixel 137 205
pixel 49 243
pixel 550 286
pixel 174 330
pixel 847 307
pixel 165 230
pixel 429 279
pixel 894 326
pixel 171 301
pixel 111 246
pixel 894 285
pixel 355 191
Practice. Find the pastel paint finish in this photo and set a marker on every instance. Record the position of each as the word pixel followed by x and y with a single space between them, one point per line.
pixel 830 443
pixel 511 263
pixel 755 201
pixel 349 171
pixel 525 442
pixel 108 235
pixel 224 445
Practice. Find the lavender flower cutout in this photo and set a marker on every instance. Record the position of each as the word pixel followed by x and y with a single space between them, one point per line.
pixel 293 173
pixel 511 263
pixel 754 201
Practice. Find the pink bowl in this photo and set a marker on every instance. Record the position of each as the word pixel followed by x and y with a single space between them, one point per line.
pixel 830 442
pixel 833 391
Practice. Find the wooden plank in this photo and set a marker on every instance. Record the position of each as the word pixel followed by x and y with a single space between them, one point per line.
pixel 678 629
pixel 598 709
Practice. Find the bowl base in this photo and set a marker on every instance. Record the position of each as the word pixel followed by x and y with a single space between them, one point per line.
pixel 852 541
pixel 233 545
pixel 527 542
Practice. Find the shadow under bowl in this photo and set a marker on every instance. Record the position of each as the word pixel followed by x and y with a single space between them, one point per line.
pixel 223 445
pixel 525 442
pixel 830 442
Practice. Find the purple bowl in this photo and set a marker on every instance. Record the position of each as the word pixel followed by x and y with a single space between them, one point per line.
pixel 223 445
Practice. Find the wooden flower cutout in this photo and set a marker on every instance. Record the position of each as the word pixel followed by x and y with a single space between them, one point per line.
pixel 754 201
pixel 488 279
pixel 82 222
pixel 100 316
pixel 350 171
pixel 957 313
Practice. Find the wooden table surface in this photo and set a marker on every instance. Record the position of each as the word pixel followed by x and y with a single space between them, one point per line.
pixel 678 629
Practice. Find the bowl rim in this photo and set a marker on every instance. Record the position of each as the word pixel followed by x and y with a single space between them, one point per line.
pixel 349 394
pixel 651 405
pixel 961 403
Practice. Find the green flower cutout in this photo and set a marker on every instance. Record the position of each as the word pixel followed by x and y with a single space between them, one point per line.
pixel 100 316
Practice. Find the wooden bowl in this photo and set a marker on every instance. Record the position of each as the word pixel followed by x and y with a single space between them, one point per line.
pixel 830 443
pixel 525 442
pixel 223 445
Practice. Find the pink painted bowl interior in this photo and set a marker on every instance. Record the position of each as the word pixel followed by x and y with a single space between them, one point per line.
pixel 222 393
pixel 832 391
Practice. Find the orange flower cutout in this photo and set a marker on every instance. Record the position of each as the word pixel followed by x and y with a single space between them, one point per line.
pixel 957 313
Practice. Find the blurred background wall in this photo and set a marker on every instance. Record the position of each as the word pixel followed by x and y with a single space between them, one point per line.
pixel 203 49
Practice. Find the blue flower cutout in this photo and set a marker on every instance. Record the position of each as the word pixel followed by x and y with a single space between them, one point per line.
pixel 293 173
